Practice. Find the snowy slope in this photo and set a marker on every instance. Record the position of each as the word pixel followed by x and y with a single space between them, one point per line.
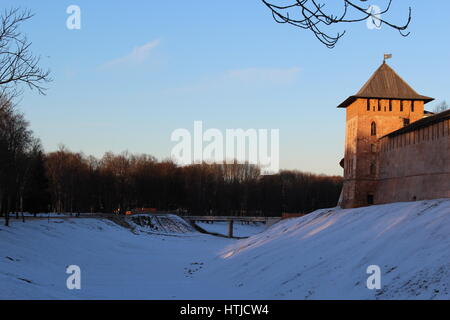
pixel 162 224
pixel 115 263
pixel 325 255
pixel 320 256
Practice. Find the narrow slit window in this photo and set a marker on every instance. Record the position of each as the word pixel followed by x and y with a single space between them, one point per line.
pixel 373 169
pixel 373 129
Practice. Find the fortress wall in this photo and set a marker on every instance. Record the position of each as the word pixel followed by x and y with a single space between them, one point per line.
pixel 415 165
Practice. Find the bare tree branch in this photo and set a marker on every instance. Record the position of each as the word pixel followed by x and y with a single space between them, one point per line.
pixel 311 15
pixel 18 65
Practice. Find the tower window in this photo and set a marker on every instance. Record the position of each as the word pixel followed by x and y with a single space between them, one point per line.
pixel 402 103
pixel 390 105
pixel 412 106
pixel 373 169
pixel 406 122
pixel 368 104
pixel 379 105
pixel 373 129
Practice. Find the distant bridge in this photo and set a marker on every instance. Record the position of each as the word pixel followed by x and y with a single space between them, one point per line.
pixel 231 219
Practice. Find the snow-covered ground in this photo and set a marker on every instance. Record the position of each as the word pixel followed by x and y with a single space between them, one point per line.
pixel 115 263
pixel 239 229
pixel 324 255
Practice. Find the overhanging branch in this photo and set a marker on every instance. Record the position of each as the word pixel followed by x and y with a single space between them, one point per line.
pixel 311 14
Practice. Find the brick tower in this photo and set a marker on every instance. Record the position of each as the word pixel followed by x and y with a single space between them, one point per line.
pixel 384 104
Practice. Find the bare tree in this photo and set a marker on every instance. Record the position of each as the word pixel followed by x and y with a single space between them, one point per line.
pixel 441 107
pixel 311 15
pixel 18 65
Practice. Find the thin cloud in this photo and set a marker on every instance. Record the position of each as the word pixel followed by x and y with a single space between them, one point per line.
pixel 244 78
pixel 137 56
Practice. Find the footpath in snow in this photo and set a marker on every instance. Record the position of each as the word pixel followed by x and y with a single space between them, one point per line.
pixel 324 255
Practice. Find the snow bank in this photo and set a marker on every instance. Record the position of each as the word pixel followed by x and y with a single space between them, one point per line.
pixel 115 263
pixel 163 224
pixel 325 255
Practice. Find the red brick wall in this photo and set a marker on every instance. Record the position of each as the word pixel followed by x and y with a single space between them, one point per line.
pixel 415 165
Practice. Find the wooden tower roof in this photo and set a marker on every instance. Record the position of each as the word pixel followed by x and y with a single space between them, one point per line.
pixel 385 83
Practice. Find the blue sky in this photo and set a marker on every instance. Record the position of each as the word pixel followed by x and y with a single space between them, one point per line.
pixel 138 70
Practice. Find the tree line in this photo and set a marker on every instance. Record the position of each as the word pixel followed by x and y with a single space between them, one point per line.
pixel 120 182
pixel 65 181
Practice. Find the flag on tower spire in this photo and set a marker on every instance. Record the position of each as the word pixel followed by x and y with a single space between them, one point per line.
pixel 387 56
